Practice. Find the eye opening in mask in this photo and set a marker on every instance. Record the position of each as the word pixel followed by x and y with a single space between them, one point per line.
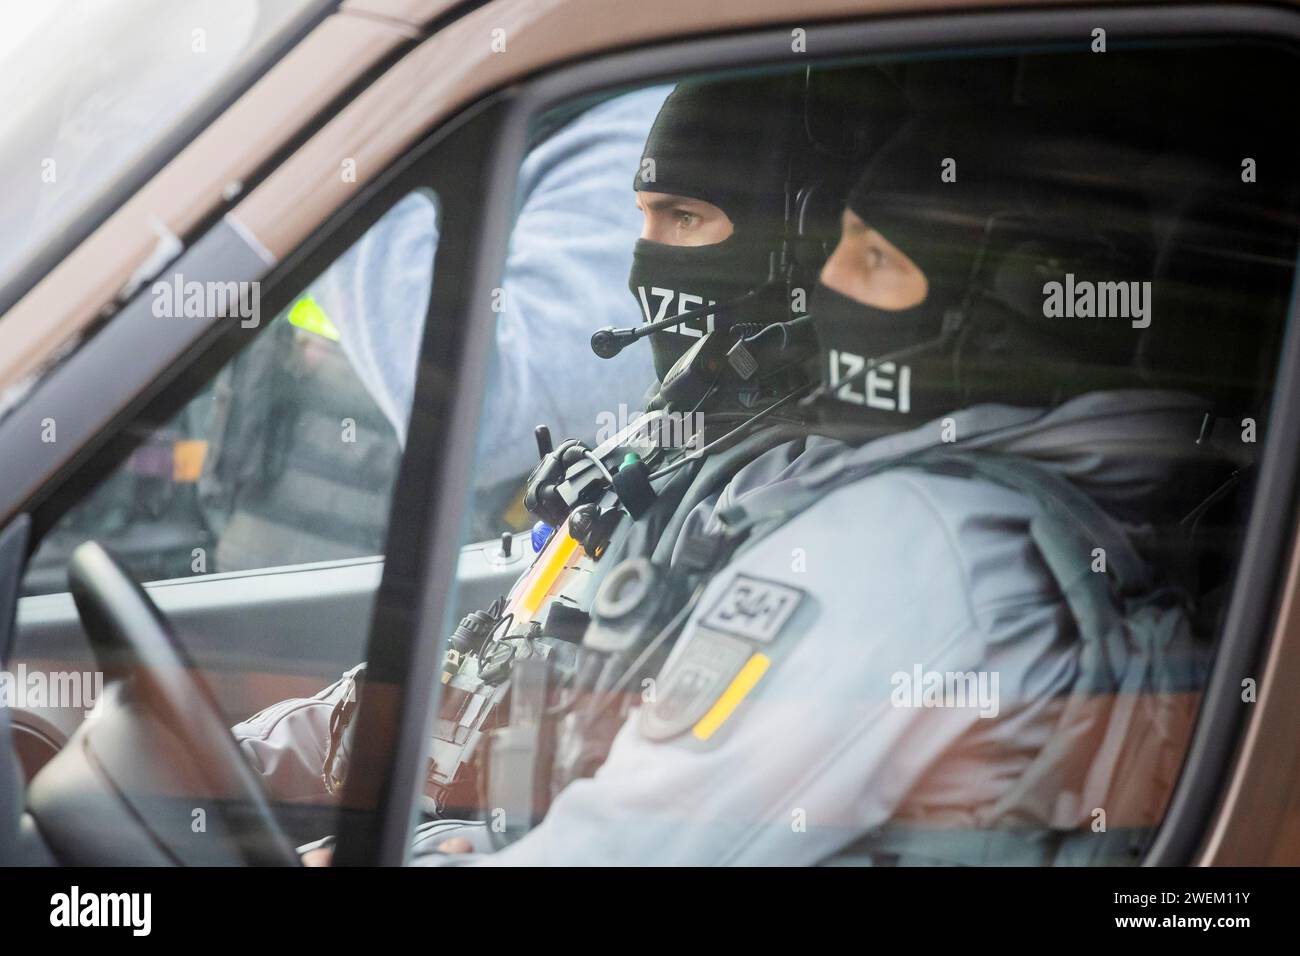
pixel 1004 234
pixel 677 219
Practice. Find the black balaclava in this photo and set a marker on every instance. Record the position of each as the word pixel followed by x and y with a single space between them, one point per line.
pixel 939 225
pixel 726 143
pixel 986 241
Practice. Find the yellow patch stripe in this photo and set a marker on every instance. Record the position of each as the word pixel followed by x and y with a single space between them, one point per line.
pixel 554 562
pixel 736 691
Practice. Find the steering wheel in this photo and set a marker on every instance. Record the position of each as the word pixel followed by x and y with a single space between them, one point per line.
pixel 136 647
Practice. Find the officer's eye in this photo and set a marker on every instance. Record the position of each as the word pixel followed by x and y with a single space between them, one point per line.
pixel 684 219
pixel 875 257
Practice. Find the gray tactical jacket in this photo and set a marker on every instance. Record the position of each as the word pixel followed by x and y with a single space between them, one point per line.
pixel 895 654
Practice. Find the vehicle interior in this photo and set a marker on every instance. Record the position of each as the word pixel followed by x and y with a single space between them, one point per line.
pixel 220 548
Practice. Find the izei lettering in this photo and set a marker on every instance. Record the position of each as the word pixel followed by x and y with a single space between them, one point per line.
pixel 859 381
pixel 692 328
pixel 133 910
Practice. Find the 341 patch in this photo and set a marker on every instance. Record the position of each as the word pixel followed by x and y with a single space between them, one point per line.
pixel 753 608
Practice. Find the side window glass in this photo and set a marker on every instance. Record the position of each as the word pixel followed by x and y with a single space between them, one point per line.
pixel 947 380
pixel 288 456
pixel 565 275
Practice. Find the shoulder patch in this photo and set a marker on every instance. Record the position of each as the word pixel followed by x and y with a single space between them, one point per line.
pixel 721 662
pixel 753 608
pixel 707 666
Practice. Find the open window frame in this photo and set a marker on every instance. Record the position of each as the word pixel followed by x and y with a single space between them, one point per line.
pixel 149 373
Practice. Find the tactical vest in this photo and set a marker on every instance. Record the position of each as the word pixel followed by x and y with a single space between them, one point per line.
pixel 1121 733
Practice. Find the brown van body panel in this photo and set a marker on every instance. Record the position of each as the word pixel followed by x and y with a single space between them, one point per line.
pixel 418 13
pixel 1258 823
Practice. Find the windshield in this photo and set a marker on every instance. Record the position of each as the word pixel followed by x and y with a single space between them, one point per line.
pixel 90 86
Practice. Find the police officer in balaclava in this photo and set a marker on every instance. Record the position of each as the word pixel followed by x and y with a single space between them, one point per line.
pixel 932 300
pixel 937 548
pixel 712 185
pixel 718 180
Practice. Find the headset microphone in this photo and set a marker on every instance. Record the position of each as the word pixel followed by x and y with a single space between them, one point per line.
pixel 609 341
